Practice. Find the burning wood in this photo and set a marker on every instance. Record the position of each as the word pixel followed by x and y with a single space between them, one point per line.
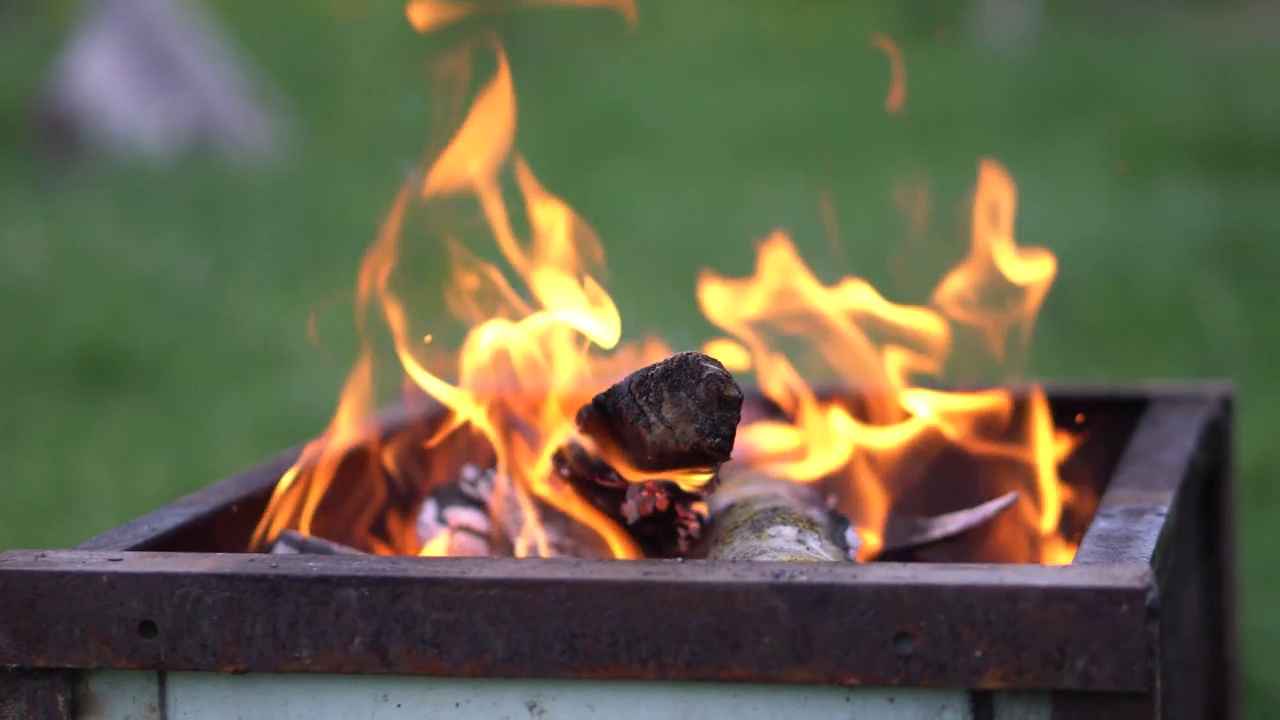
pixel 457 518
pixel 754 516
pixel 675 418
pixel 677 415
pixel 647 456
pixel 760 517
pixel 657 439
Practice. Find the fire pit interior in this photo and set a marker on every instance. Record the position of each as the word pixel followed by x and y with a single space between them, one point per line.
pixel 232 510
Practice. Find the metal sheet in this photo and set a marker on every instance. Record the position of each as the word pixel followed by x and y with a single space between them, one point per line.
pixel 876 624
pixel 208 696
pixel 1131 516
pixel 119 695
pixel 29 694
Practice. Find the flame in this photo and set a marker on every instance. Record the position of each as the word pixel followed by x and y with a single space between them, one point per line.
pixel 543 334
pixel 884 348
pixel 428 15
pixel 897 95
pixel 1000 285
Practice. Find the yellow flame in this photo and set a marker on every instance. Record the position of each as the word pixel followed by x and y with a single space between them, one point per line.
pixel 882 348
pixel 897 95
pixel 1000 285
pixel 429 15
pixel 538 346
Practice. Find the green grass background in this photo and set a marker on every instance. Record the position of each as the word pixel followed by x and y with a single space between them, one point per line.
pixel 154 335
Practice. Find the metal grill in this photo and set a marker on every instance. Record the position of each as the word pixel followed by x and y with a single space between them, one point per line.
pixel 166 617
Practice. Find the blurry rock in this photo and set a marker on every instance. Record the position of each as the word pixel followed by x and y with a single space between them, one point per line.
pixel 1009 27
pixel 155 79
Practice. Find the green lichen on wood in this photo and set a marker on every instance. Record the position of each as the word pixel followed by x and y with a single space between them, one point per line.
pixel 759 518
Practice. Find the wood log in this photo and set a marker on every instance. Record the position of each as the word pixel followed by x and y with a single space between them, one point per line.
pixel 457 517
pixel 678 416
pixel 462 519
pixel 754 516
pixel 758 517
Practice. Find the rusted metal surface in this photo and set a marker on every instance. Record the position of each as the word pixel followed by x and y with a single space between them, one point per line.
pixel 1169 506
pixel 222 516
pixel 1197 622
pixel 891 624
pixel 228 509
pixel 35 695
pixel 1128 524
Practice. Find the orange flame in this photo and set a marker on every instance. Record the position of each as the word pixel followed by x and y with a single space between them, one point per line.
pixel 897 95
pixel 1000 285
pixel 428 15
pixel 536 348
pixel 882 347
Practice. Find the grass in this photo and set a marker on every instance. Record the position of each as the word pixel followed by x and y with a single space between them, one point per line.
pixel 156 327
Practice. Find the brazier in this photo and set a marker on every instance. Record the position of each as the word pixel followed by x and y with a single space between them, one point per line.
pixel 167 617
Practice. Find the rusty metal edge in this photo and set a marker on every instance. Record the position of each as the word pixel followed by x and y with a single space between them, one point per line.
pixel 1131 515
pixel 35 695
pixel 1194 565
pixel 1170 505
pixel 1228 565
pixel 152 530
pixel 974 626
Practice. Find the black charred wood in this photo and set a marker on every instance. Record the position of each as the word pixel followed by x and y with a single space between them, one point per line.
pixel 678 414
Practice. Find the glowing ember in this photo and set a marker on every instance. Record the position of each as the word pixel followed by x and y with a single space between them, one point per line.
pixel 897 73
pixel 537 348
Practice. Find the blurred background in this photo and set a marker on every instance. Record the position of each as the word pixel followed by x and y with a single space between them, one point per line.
pixel 172 213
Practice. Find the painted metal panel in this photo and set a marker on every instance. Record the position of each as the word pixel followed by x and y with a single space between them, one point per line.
pixel 118 695
pixel 217 696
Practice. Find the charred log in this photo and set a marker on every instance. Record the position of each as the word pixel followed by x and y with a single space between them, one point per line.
pixel 676 416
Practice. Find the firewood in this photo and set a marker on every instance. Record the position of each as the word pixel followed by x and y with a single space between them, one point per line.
pixel 677 416
pixel 754 516
pixel 461 512
pixel 292 542
pixel 462 516
pixel 758 517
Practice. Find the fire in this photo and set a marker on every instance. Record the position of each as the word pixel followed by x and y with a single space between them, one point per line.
pixel 427 15
pixel 536 347
pixel 884 349
pixel 897 95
